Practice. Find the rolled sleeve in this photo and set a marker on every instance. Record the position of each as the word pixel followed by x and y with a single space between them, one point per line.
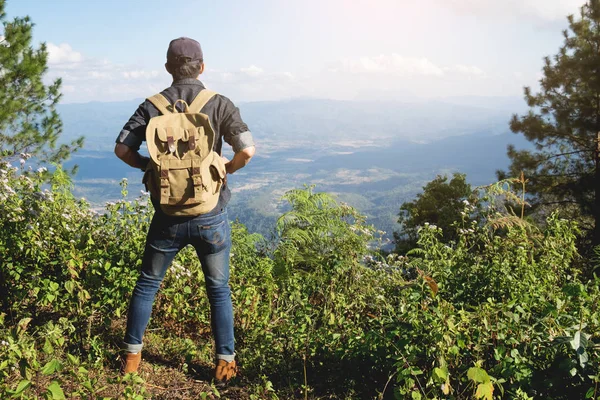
pixel 134 131
pixel 234 130
pixel 241 141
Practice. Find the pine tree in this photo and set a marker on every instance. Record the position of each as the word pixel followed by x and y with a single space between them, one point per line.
pixel 29 122
pixel 563 123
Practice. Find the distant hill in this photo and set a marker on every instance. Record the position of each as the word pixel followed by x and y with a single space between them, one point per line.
pixel 373 155
pixel 309 119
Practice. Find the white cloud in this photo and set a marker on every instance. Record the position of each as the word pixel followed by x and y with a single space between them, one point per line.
pixel 389 64
pixel 87 79
pixel 99 75
pixel 140 74
pixel 546 10
pixel 391 76
pixel 403 67
pixel 252 70
pixel 470 70
pixel 63 53
pixel 254 83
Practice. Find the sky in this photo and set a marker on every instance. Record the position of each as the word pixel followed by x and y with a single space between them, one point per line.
pixel 115 50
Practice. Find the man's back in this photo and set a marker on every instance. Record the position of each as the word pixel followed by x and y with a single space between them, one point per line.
pixel 224 116
pixel 209 233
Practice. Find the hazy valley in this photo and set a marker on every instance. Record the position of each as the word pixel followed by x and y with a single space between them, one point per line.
pixel 372 155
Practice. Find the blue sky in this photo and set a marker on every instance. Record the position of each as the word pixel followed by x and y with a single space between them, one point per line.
pixel 271 49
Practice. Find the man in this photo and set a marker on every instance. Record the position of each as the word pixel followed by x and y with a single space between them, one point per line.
pixel 209 233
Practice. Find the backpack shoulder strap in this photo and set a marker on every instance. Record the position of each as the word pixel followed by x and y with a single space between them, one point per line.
pixel 200 101
pixel 161 103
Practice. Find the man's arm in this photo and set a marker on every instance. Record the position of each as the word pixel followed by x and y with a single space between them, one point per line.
pixel 240 159
pixel 131 157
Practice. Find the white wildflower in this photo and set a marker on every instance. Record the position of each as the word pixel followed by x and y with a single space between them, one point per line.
pixel 466 202
pixel 22 161
pixel 41 170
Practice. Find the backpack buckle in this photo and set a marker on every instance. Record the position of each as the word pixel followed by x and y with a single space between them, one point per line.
pixel 171 144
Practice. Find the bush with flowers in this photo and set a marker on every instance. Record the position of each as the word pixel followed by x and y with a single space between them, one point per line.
pixel 500 312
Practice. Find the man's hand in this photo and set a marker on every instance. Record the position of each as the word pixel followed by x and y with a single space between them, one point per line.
pixel 131 157
pixel 240 159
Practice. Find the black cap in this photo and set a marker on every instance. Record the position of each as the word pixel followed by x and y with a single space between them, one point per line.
pixel 183 50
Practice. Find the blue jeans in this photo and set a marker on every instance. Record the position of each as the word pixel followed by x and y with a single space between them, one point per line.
pixel 211 237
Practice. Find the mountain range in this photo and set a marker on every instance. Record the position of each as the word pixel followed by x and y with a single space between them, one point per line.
pixel 373 155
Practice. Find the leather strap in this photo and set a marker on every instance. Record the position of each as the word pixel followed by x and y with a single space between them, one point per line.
pixel 170 140
pixel 165 191
pixel 197 179
pixel 191 139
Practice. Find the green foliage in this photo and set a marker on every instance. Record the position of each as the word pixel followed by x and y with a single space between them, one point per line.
pixel 441 203
pixel 319 233
pixel 563 123
pixel 498 312
pixel 29 123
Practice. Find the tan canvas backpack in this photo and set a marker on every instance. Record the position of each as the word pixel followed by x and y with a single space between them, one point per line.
pixel 184 173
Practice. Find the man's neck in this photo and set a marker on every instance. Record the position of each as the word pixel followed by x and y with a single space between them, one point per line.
pixel 187 81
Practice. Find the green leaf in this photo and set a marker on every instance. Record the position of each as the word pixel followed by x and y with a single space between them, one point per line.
pixel 55 391
pixel 70 286
pixel 485 391
pixel 441 373
pixel 576 342
pixel 51 367
pixel 590 393
pixel 478 375
pixel 415 395
pixel 73 359
pixel 23 385
pixel 331 319
pixel 48 348
pixel 24 323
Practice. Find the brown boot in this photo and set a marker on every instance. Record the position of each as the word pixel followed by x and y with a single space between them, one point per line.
pixel 131 362
pixel 224 371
